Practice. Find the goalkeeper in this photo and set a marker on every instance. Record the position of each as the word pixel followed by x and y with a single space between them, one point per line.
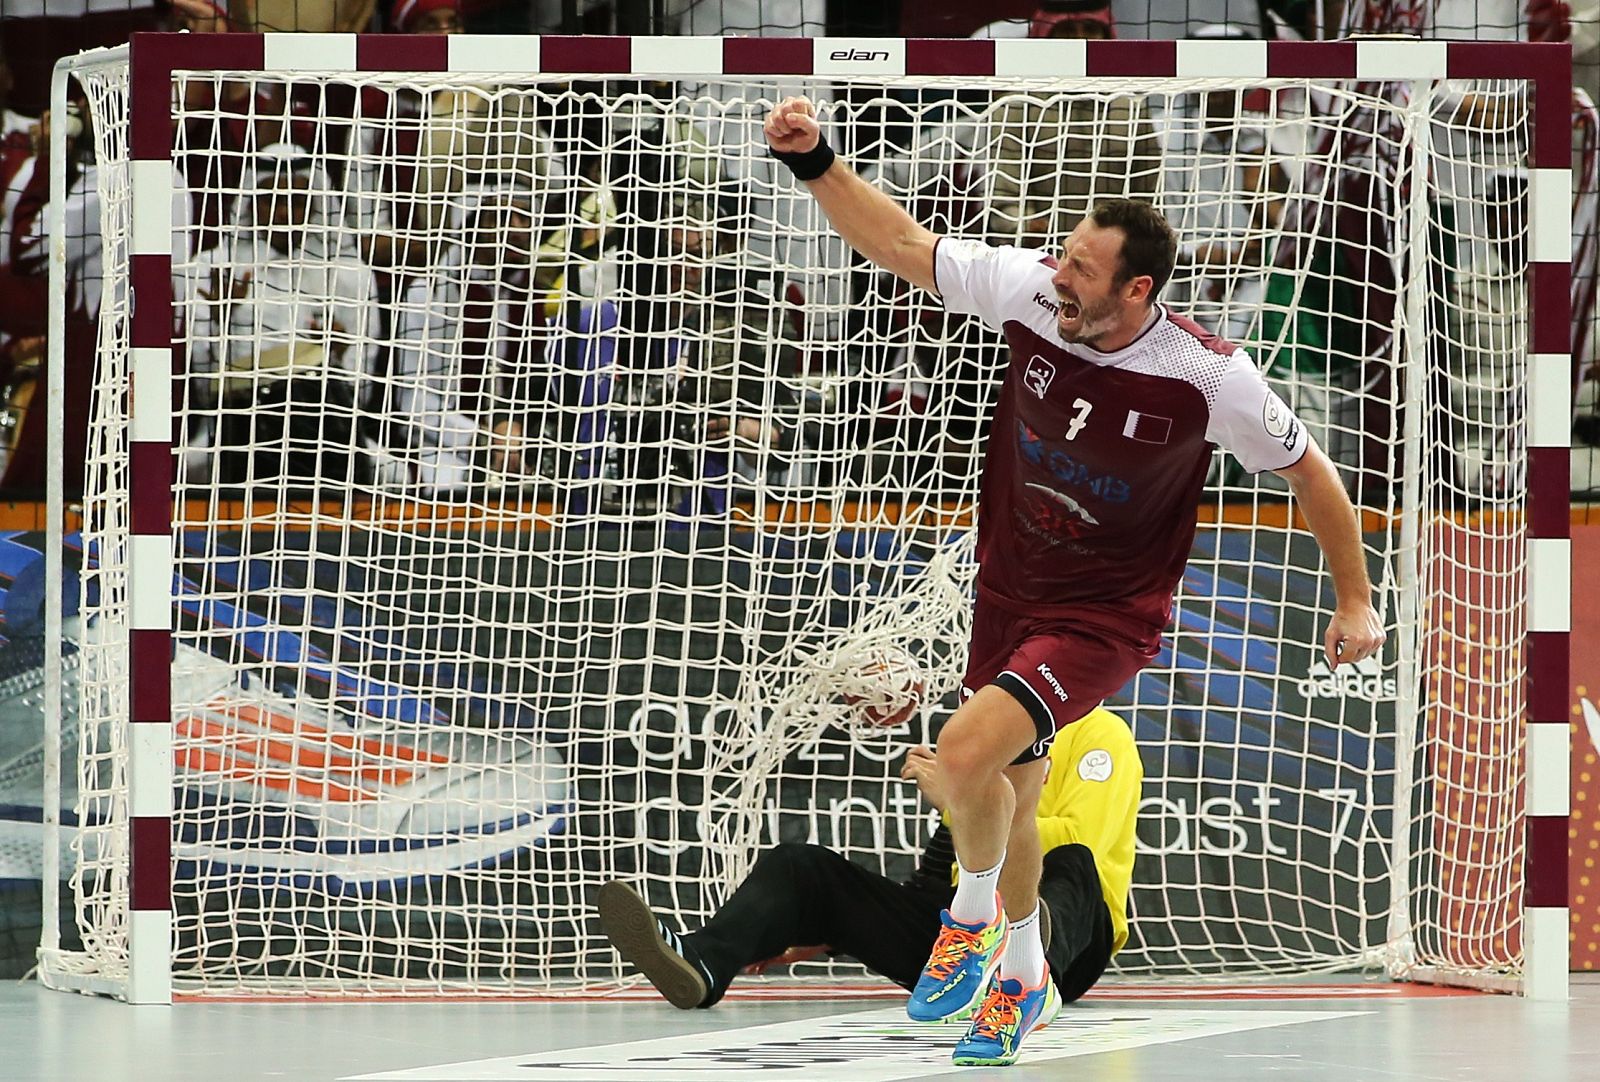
pixel 801 901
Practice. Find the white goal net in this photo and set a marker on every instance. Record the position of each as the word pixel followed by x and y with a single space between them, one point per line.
pixel 549 482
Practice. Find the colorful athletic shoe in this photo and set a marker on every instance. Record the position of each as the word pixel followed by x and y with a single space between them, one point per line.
pixel 655 950
pixel 1008 1014
pixel 959 969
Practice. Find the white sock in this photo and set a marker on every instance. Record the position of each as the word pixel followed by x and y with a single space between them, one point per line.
pixel 974 902
pixel 1023 958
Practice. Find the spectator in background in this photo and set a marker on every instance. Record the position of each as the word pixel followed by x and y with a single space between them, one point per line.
pixel 426 17
pixel 1478 397
pixel 24 294
pixel 626 350
pixel 469 379
pixel 677 380
pixel 1224 188
pixel 416 153
pixel 1231 158
pixel 282 332
pixel 275 16
pixel 1054 155
pixel 21 138
pixel 40 32
pixel 1578 23
pixel 309 16
pixel 771 18
pixel 1088 20
pixel 211 16
pixel 19 143
pixel 389 188
pixel 228 122
pixel 762 411
pixel 23 298
pixel 477 16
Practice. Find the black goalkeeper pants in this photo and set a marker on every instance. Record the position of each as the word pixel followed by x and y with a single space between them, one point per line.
pixel 804 895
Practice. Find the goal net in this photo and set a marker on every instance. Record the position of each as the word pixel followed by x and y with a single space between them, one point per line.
pixel 547 495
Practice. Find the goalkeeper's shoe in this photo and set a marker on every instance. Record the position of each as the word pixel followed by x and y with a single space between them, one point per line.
pixel 661 954
pixel 959 969
pixel 1007 1014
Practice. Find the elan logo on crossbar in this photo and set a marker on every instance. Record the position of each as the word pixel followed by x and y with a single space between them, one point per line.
pixel 858 54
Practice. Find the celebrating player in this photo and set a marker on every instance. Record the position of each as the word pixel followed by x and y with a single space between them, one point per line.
pixel 800 901
pixel 1099 446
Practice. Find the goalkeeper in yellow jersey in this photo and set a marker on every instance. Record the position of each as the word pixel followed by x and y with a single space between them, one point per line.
pixel 801 901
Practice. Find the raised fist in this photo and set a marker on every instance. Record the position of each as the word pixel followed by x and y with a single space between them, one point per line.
pixel 1549 20
pixel 791 127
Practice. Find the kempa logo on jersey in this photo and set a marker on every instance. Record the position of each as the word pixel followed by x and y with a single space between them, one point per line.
pixel 1050 678
pixel 1047 304
pixel 1362 680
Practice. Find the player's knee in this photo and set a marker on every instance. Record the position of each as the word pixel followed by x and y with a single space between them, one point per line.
pixel 787 860
pixel 967 755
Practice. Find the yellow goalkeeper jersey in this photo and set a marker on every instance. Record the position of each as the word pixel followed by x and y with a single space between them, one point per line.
pixel 1091 797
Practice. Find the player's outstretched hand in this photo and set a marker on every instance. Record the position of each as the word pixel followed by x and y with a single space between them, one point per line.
pixel 1354 633
pixel 792 127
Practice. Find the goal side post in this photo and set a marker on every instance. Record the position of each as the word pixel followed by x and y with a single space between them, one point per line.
pixel 1547 751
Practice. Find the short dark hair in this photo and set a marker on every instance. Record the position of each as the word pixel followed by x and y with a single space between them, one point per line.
pixel 1149 246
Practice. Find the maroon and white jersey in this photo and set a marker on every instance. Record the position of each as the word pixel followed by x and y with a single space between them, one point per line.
pixel 1096 461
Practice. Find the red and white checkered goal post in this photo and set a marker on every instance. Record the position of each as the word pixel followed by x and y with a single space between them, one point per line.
pixel 1539 516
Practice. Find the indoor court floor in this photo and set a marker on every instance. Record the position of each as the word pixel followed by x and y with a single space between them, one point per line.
pixel 1358 1031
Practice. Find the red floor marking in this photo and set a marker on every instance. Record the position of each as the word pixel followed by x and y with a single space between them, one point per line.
pixel 802 991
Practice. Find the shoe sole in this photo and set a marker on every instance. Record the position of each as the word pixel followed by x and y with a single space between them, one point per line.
pixel 974 1061
pixel 632 928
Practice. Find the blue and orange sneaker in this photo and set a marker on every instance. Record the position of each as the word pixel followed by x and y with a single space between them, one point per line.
pixel 959 969
pixel 1007 1015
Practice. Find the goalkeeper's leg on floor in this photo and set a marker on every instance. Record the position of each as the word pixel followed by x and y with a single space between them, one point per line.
pixel 814 899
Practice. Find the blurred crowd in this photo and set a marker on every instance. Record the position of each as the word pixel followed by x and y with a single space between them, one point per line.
pixel 394 288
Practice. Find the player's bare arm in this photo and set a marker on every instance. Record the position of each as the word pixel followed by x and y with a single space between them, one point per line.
pixel 1355 632
pixel 868 220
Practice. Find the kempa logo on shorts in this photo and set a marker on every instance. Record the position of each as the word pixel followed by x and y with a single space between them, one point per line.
pixel 1362 680
pixel 1050 677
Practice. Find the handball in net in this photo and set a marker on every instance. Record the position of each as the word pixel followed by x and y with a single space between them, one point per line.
pixel 886 689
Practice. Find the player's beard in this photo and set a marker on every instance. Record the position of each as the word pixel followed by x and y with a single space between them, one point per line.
pixel 1094 321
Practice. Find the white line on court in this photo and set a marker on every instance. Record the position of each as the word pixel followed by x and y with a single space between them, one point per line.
pixel 870 1046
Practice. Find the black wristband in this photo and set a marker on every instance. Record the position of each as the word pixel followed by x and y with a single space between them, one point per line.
pixel 810 164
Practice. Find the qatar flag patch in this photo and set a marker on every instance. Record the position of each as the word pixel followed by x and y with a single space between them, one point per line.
pixel 1147 427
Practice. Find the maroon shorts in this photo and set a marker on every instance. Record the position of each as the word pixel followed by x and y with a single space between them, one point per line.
pixel 1058 669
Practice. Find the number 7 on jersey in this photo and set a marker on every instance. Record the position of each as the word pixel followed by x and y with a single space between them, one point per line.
pixel 1083 406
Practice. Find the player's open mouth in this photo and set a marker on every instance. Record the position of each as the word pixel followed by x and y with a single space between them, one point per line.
pixel 1070 310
